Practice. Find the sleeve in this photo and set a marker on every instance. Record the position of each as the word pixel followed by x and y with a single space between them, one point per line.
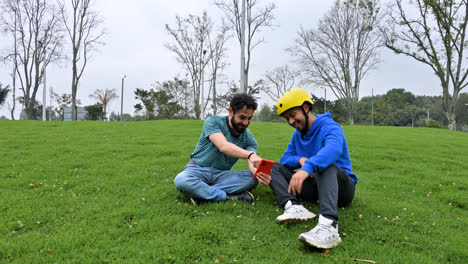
pixel 290 158
pixel 329 153
pixel 210 127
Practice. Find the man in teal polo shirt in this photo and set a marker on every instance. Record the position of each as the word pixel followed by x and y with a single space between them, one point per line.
pixel 224 140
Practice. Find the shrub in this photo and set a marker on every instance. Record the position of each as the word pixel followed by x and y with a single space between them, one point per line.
pixel 435 124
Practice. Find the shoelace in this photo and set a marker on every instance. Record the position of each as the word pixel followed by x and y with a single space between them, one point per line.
pixel 294 209
pixel 319 228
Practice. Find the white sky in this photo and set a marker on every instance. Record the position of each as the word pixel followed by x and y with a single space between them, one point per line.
pixel 135 48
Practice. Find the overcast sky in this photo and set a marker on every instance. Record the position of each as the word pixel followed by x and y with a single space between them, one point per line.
pixel 135 48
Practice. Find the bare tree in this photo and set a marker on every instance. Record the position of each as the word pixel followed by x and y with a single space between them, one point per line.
pixel 217 48
pixel 256 18
pixel 11 29
pixel 85 32
pixel 104 97
pixel 191 43
pixel 38 36
pixel 342 50
pixel 278 81
pixel 435 36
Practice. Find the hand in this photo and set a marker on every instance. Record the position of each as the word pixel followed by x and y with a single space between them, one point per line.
pixel 295 185
pixel 253 167
pixel 263 178
pixel 302 161
pixel 255 159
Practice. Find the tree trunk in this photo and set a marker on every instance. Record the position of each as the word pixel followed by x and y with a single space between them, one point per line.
pixel 28 112
pixel 12 110
pixel 452 123
pixel 246 81
pixel 74 108
pixel 74 87
pixel 215 108
pixel 196 98
pixel 15 68
pixel 351 115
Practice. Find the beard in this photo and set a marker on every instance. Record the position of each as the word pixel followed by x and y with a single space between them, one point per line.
pixel 303 128
pixel 236 126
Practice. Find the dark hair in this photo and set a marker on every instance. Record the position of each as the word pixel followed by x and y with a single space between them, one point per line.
pixel 238 101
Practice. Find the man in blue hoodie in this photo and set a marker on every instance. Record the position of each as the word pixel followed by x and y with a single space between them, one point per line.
pixel 319 151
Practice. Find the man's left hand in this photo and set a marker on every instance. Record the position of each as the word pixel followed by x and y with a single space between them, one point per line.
pixel 255 159
pixel 295 185
pixel 263 179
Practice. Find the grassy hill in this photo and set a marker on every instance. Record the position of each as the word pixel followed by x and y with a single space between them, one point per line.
pixel 103 192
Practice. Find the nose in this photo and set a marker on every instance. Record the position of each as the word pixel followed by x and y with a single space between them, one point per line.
pixel 290 121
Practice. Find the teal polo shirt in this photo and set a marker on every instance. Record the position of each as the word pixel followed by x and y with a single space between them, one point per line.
pixel 206 154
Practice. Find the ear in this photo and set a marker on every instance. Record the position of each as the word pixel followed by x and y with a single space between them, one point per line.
pixel 306 108
pixel 231 112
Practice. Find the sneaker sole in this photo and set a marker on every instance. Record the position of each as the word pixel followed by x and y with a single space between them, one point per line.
pixel 318 245
pixel 193 201
pixel 295 220
pixel 252 196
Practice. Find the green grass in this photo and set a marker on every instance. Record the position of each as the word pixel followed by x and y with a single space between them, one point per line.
pixel 102 192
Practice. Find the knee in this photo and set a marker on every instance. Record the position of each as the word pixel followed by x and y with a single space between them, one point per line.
pixel 246 181
pixel 252 184
pixel 280 170
pixel 332 169
pixel 180 181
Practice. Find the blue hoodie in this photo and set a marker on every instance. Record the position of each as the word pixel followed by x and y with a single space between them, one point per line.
pixel 323 145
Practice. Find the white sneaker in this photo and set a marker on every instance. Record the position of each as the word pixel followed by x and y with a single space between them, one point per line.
pixel 324 235
pixel 294 213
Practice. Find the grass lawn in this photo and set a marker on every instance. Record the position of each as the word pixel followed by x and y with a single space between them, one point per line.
pixel 103 192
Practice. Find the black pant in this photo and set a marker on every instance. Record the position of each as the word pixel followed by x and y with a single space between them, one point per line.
pixel 332 188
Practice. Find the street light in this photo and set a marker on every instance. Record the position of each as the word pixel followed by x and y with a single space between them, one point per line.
pixel 121 101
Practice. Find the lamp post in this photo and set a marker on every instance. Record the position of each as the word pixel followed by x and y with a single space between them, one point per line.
pixel 121 101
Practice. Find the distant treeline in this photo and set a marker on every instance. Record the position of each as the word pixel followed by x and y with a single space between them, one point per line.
pixel 395 108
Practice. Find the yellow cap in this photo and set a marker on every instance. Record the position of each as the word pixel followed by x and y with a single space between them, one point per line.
pixel 292 98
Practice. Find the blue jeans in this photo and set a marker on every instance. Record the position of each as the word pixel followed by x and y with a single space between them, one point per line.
pixel 213 184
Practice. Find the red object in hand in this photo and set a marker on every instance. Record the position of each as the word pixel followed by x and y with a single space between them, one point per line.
pixel 265 167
